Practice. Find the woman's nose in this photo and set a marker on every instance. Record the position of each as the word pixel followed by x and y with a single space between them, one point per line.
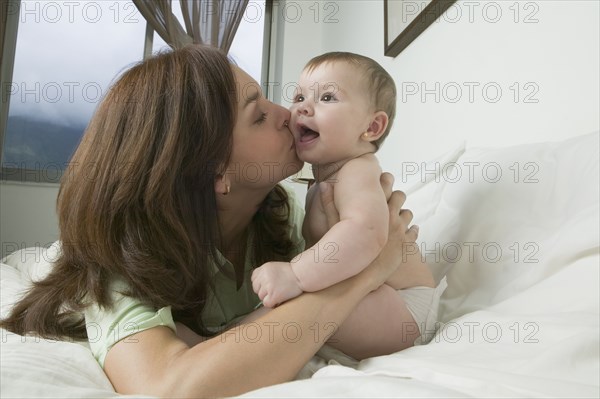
pixel 284 116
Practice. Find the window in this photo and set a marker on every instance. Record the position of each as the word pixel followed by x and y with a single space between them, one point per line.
pixel 67 54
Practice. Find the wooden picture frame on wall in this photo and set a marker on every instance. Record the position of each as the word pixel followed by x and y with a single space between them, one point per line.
pixel 404 20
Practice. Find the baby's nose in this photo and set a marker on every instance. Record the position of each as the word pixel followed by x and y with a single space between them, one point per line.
pixel 305 109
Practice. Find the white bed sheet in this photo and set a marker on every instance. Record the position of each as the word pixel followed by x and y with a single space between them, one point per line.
pixel 523 324
pixel 555 356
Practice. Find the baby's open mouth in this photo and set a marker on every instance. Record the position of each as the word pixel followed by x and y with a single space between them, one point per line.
pixel 307 134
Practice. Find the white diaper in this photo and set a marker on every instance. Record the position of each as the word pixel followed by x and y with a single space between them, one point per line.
pixel 423 304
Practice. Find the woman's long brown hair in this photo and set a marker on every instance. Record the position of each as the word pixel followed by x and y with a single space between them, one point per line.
pixel 138 202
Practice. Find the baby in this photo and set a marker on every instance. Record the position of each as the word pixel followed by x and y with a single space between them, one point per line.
pixel 343 109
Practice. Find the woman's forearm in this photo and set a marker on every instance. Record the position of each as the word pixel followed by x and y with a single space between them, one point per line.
pixel 271 349
pixel 413 270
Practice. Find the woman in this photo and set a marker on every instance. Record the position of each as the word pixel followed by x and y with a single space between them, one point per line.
pixel 169 202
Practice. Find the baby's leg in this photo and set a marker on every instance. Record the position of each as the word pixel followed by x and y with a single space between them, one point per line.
pixel 381 324
pixel 412 272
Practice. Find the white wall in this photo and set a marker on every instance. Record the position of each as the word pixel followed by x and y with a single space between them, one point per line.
pixel 28 214
pixel 557 56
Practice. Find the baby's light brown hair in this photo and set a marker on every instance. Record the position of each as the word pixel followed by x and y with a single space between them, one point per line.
pixel 379 83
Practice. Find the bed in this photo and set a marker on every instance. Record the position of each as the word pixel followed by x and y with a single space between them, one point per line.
pixel 514 230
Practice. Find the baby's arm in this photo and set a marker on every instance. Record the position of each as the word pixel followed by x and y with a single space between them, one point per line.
pixel 356 240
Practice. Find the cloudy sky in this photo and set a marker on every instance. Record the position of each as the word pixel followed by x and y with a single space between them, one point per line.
pixel 69 51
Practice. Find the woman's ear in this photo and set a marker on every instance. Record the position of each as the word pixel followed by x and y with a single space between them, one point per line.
pixel 222 184
pixel 377 126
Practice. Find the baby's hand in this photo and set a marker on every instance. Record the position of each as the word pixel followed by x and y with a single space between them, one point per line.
pixel 275 283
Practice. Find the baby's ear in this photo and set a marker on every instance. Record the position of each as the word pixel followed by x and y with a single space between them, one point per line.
pixel 377 126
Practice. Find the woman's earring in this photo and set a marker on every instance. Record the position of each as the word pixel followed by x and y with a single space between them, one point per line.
pixel 227 189
pixel 365 135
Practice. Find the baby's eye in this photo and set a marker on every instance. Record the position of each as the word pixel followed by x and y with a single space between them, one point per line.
pixel 299 98
pixel 327 97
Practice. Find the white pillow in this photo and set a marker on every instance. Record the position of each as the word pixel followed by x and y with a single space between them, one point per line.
pixel 512 217
pixel 423 182
pixel 36 367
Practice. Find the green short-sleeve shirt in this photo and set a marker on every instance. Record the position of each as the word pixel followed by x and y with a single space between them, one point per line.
pixel 106 327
